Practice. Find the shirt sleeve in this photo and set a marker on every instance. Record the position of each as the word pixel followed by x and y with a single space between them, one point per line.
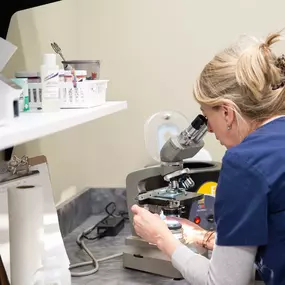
pixel 241 204
pixel 228 265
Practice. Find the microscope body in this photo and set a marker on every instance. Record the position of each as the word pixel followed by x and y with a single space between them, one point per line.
pixel 171 188
pixel 158 197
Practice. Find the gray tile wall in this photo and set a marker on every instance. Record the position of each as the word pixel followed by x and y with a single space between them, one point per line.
pixel 91 202
pixel 100 197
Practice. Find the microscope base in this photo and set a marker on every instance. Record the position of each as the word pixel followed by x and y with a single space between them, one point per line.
pixel 140 255
pixel 150 260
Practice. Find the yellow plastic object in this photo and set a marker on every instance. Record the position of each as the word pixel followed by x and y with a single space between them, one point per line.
pixel 208 188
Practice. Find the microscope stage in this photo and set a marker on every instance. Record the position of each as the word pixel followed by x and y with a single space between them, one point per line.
pixel 164 198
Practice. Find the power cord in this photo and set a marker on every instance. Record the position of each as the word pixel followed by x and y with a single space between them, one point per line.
pixel 110 210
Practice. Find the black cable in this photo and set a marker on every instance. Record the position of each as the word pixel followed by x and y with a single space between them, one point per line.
pixel 110 210
pixel 87 232
pixel 124 215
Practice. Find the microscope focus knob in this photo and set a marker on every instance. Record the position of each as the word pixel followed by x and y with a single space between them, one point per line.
pixel 176 211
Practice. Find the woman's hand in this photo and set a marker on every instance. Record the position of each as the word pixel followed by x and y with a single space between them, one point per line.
pixel 154 230
pixel 194 234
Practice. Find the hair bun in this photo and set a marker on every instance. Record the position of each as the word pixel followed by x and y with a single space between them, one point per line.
pixel 280 63
pixel 244 77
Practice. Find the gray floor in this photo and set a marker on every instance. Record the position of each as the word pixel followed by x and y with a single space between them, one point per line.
pixel 111 271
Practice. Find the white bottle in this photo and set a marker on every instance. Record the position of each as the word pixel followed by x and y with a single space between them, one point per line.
pixel 50 84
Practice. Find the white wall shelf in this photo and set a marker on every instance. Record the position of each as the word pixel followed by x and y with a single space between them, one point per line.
pixel 36 124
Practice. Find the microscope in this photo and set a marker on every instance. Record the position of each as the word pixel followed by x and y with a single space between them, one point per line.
pixel 169 189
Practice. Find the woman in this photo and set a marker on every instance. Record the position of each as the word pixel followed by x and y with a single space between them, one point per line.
pixel 242 94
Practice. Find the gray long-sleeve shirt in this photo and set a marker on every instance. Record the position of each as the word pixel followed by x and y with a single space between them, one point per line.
pixel 229 265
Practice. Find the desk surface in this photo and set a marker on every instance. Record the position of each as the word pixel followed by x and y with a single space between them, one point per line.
pixel 110 272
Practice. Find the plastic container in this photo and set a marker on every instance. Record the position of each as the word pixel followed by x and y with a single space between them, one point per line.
pixel 50 83
pixel 91 66
pixel 87 94
pixel 176 228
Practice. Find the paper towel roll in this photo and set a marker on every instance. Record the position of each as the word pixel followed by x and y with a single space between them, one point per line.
pixel 25 232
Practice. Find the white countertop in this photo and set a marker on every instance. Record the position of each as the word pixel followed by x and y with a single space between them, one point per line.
pixel 36 124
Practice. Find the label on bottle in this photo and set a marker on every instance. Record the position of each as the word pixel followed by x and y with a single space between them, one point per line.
pixel 51 85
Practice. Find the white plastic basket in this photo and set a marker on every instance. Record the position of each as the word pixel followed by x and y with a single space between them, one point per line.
pixel 87 94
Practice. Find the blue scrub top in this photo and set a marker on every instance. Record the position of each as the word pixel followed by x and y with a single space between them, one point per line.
pixel 250 199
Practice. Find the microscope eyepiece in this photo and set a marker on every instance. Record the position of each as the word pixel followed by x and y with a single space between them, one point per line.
pixel 199 121
pixel 195 132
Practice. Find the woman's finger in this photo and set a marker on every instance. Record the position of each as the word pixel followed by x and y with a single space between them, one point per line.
pixel 136 209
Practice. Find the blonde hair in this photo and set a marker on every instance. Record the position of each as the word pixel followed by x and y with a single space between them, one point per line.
pixel 249 79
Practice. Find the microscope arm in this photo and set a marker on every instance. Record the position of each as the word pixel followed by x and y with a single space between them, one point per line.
pixel 187 144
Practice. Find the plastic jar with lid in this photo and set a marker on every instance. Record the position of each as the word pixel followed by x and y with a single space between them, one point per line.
pixel 177 230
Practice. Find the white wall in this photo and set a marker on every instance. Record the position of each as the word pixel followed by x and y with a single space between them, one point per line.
pixel 151 51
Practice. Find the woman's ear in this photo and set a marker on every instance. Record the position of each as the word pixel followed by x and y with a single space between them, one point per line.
pixel 228 114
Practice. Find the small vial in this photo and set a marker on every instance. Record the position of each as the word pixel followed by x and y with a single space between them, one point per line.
pixel 176 228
